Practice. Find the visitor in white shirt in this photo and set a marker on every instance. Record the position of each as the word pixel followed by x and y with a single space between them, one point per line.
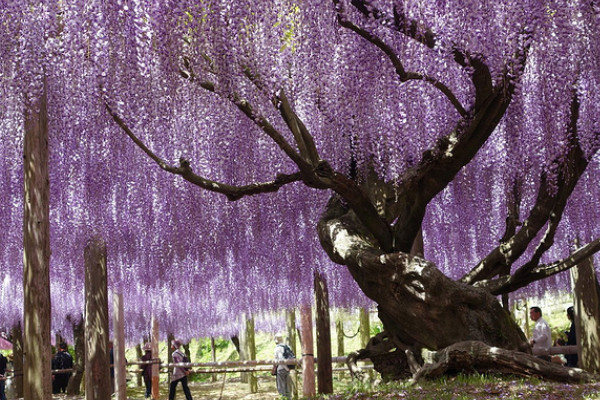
pixel 541 341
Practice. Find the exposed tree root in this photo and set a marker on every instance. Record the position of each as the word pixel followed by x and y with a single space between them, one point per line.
pixel 471 356
pixel 388 359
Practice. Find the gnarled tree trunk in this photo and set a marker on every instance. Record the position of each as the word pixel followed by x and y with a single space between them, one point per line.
pixel 418 305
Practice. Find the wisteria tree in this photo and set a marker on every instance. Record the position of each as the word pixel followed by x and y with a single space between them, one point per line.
pixel 393 106
pixel 473 130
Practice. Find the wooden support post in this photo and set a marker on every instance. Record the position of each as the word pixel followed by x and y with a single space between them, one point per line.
pixel 308 358
pixel 119 348
pixel 97 369
pixel 325 375
pixel 155 355
pixel 251 352
pixel 16 334
pixel 138 354
pixel 290 320
pixel 365 327
pixel 74 386
pixel 37 373
pixel 170 338
pixel 213 356
pixel 587 315
pixel 243 348
pixel 339 327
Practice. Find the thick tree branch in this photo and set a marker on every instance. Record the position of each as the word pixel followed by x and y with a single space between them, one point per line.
pixel 522 278
pixel 476 67
pixel 440 165
pixel 245 107
pixel 315 172
pixel 304 139
pixel 400 71
pixel 185 171
pixel 548 209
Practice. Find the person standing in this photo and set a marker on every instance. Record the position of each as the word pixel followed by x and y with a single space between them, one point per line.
pixel 147 369
pixel 61 360
pixel 283 379
pixel 541 341
pixel 3 362
pixel 179 373
pixel 572 359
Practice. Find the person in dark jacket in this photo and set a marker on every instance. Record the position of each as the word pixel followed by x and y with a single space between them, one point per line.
pixel 61 360
pixel 572 359
pixel 147 369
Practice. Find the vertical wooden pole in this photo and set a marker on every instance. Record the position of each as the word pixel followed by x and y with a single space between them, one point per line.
pixel 155 356
pixel 213 356
pixel 138 354
pixel 17 340
pixel 170 338
pixel 243 348
pixel 97 363
pixel 339 327
pixel 290 319
pixel 324 371
pixel 527 330
pixel 365 327
pixel 119 348
pixel 37 373
pixel 308 358
pixel 74 386
pixel 587 315
pixel 251 351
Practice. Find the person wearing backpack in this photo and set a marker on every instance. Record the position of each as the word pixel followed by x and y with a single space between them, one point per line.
pixel 179 373
pixel 3 362
pixel 283 379
pixel 61 360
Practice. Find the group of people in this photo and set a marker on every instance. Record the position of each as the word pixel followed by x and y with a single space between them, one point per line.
pixel 541 339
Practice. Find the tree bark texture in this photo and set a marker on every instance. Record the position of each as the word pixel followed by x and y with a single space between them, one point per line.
pixel 74 387
pixel 587 315
pixel 37 373
pixel 97 363
pixel 323 324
